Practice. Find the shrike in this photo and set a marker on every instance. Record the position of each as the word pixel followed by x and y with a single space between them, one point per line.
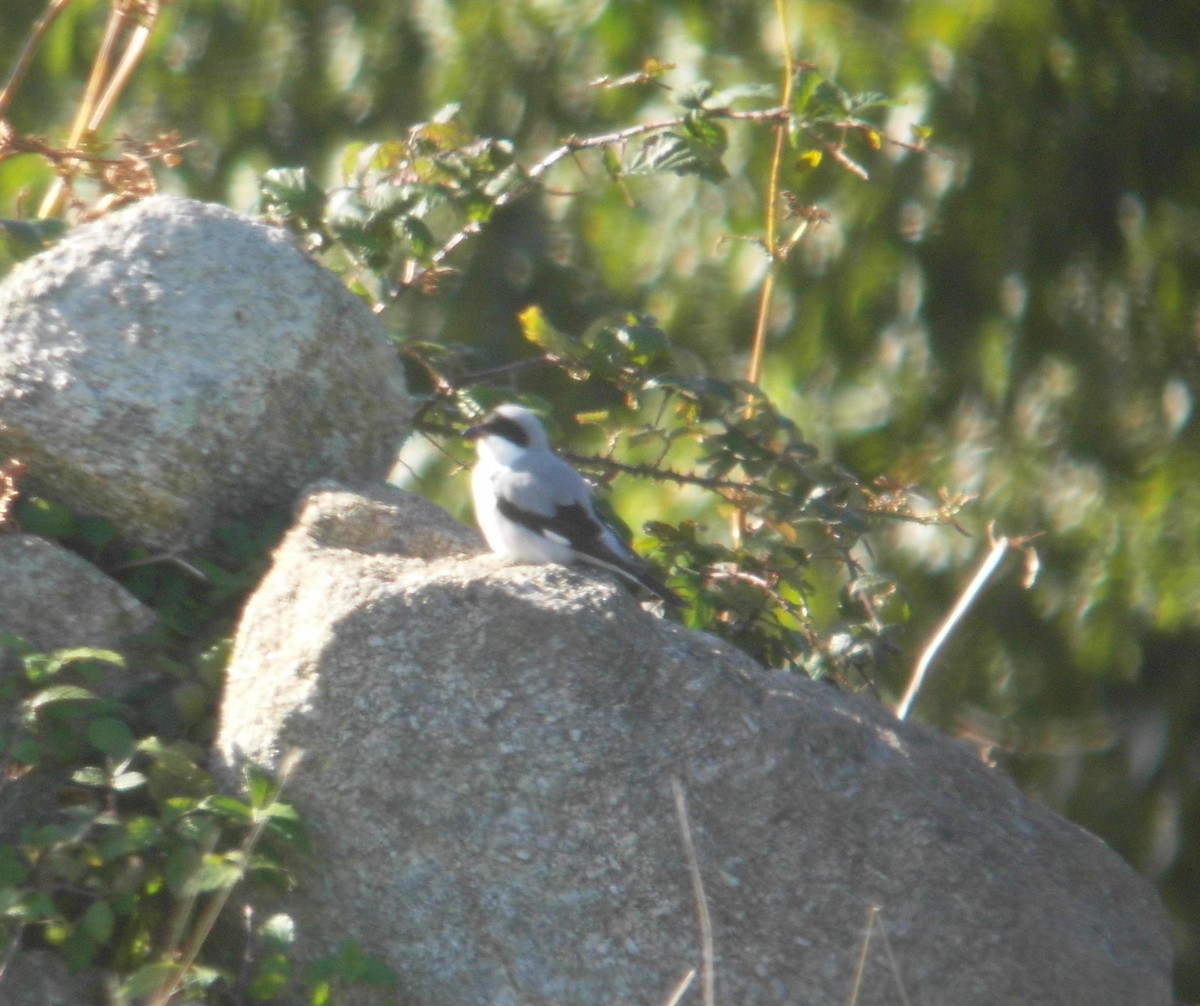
pixel 534 507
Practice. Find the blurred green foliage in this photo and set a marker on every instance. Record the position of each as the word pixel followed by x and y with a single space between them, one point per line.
pixel 136 846
pixel 1016 317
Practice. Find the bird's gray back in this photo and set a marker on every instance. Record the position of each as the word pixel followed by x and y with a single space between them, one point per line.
pixel 540 483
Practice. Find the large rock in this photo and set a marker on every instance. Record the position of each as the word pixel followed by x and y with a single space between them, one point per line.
pixel 490 756
pixel 42 978
pixel 53 599
pixel 176 365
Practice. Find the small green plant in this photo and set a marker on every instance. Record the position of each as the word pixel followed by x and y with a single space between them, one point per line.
pixel 133 841
pixel 133 852
pixel 196 594
pixel 336 975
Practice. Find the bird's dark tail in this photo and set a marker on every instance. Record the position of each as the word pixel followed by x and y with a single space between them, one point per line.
pixel 632 568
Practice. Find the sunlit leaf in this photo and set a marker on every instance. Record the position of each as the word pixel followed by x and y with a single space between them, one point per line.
pixel 808 160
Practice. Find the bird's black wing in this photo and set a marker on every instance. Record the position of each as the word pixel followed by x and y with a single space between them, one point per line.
pixel 578 527
pixel 546 495
pixel 574 524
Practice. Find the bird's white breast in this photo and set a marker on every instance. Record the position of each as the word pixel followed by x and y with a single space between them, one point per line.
pixel 505 537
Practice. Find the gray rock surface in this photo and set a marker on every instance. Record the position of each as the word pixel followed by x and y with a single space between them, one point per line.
pixel 383 520
pixel 490 751
pixel 176 365
pixel 54 599
pixel 41 978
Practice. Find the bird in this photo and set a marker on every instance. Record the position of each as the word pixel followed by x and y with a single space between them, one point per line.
pixel 534 507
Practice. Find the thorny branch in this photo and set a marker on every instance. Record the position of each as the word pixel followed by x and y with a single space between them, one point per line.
pixel 568 148
pixel 779 115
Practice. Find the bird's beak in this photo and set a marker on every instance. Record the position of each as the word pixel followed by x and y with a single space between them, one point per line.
pixel 475 432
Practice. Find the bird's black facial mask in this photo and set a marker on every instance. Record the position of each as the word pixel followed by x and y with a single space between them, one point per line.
pixel 500 426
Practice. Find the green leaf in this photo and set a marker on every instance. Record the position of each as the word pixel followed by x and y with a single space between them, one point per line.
pixel 292 193
pixel 124 782
pixel 179 867
pixel 40 516
pixel 112 737
pixel 173 772
pixel 136 833
pixel 60 659
pixel 13 868
pixel 278 932
pixel 26 750
pixel 373 971
pixel 10 898
pixel 37 907
pixel 260 787
pixel 98 921
pixel 228 807
pixel 274 974
pixel 646 341
pixel 14 643
pixel 612 162
pixel 215 872
pixel 22 238
pixel 80 948
pixel 90 775
pixel 696 152
pixel 802 94
pixel 145 981
pixel 201 977
pixel 708 131
pixel 347 213
pixel 537 329
pixel 420 236
pixel 55 695
pixel 350 964
pixel 740 92
pixel 96 531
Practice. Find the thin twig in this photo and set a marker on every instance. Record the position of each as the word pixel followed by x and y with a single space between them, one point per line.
pixel 569 148
pixel 707 976
pixel 771 239
pixel 684 984
pixel 875 916
pixel 103 89
pixel 737 524
pixel 999 547
pixel 246 964
pixel 504 370
pixel 852 998
pixel 838 152
pixel 14 943
pixel 216 904
pixel 574 144
pixel 887 946
pixel 52 201
pixel 121 76
pixel 167 557
pixel 186 905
